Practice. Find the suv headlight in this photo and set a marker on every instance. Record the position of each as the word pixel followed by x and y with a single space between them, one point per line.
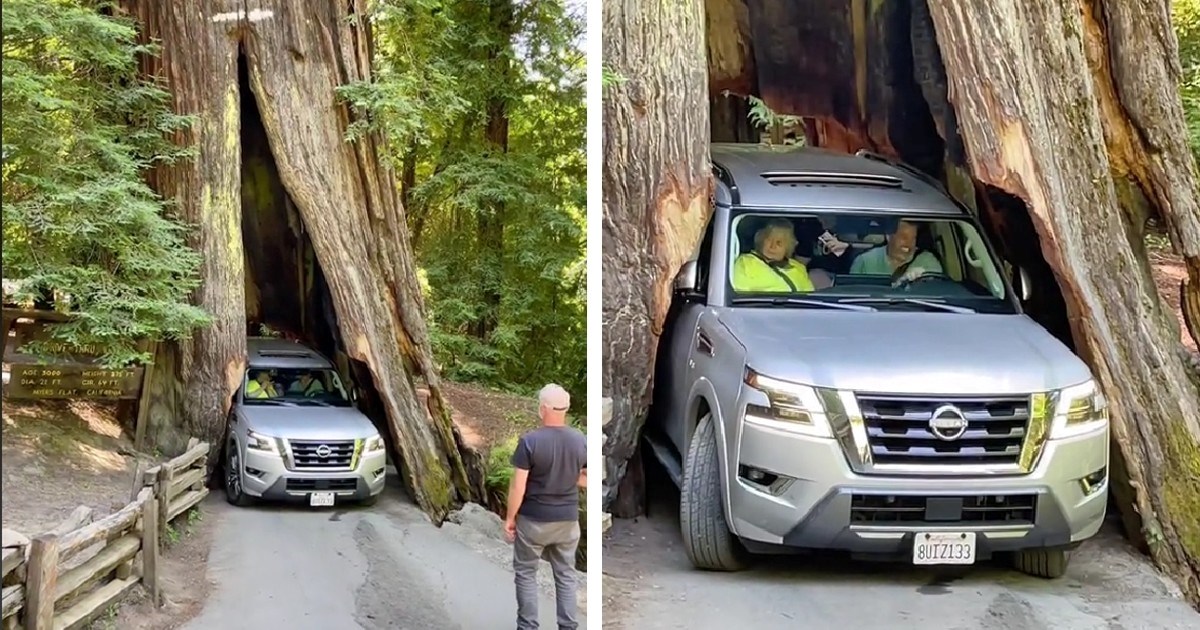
pixel 1080 409
pixel 260 442
pixel 790 406
pixel 374 444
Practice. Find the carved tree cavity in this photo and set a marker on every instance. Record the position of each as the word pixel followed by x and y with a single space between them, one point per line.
pixel 301 230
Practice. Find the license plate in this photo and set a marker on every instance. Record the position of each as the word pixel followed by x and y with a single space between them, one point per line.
pixel 944 548
pixel 320 499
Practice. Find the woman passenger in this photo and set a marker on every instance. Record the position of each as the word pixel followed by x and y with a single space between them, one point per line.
pixel 770 268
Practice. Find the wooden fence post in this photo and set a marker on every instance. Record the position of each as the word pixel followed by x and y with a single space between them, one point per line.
pixel 150 549
pixel 139 480
pixel 162 494
pixel 143 408
pixel 41 582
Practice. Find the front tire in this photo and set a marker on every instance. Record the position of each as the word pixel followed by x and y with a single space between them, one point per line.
pixel 1050 563
pixel 706 537
pixel 235 493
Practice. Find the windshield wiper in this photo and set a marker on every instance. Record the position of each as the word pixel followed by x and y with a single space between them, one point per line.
pixel 929 304
pixel 308 402
pixel 795 301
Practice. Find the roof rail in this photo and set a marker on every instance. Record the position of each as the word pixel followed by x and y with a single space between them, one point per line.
pixel 816 177
pixel 726 178
pixel 908 168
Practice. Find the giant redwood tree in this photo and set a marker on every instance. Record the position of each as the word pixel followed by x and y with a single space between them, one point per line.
pixel 300 228
pixel 656 192
pixel 1058 121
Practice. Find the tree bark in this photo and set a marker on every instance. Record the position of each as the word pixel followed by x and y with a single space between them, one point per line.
pixel 1072 106
pixel 296 55
pixel 490 226
pixel 656 194
pixel 198 59
pixel 1061 122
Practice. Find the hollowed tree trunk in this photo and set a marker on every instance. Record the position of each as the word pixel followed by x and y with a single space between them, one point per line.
pixel 656 191
pixel 297 54
pixel 1073 107
pixel 1061 122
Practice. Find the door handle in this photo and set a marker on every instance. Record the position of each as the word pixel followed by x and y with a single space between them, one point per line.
pixel 704 344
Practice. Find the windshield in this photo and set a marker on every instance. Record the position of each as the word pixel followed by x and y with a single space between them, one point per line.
pixel 874 260
pixel 294 387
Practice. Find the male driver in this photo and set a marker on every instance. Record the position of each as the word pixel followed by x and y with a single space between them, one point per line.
pixel 899 251
pixel 549 467
pixel 306 385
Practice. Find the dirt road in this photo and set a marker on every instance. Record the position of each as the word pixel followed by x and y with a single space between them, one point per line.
pixel 357 567
pixel 648 584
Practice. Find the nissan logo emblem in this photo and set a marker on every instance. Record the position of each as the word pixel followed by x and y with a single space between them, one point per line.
pixel 947 423
pixel 323 451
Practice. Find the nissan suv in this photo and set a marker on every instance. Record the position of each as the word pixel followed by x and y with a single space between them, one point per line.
pixel 850 400
pixel 294 433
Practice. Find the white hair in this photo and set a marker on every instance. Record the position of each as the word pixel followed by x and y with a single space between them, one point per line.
pixel 554 396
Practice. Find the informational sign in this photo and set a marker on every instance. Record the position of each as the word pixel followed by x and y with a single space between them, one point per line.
pixel 73 381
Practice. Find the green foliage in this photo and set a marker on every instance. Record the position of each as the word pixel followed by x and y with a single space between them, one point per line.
pixel 498 469
pixel 610 77
pixel 81 228
pixel 766 119
pixel 1185 15
pixel 491 212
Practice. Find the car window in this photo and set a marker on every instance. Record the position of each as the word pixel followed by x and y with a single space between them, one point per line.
pixel 884 260
pixel 294 386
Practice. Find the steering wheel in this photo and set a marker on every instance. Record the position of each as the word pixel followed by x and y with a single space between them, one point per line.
pixel 899 280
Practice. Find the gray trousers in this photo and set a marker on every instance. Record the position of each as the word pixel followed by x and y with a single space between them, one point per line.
pixel 555 541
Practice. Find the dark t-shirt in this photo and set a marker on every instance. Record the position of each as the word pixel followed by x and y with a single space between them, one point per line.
pixel 554 457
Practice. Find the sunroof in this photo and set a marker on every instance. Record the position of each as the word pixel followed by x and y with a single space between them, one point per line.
pixel 795 178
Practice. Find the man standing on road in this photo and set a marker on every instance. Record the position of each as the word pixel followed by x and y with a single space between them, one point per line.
pixel 549 467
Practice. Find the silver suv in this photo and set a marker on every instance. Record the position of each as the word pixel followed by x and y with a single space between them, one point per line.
pixel 294 433
pixel 912 412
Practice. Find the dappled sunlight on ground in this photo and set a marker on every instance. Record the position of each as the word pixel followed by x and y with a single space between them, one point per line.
pixel 96 418
pixel 58 455
pixel 101 459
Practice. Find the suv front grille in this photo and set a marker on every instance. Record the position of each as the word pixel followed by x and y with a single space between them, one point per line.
pixel 899 429
pixel 310 485
pixel 1011 509
pixel 308 454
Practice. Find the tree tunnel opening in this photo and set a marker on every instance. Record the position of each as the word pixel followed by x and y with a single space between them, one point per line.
pixel 287 292
pixel 859 76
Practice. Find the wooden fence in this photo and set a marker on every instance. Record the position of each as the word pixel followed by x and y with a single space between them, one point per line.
pixel 45 590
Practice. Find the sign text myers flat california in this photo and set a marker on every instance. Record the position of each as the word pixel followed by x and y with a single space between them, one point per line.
pixel 73 381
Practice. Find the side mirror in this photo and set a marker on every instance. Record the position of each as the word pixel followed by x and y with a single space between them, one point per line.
pixel 1024 286
pixel 685 282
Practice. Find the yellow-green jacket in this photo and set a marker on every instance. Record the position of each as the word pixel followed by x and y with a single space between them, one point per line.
pixel 752 274
pixel 255 390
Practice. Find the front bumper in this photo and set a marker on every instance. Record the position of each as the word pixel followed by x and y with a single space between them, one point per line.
pixel 817 500
pixel 268 478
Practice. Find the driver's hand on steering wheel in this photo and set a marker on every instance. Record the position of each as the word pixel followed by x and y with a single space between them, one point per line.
pixel 909 275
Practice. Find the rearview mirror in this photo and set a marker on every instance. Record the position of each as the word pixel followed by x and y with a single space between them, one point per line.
pixel 1024 286
pixel 685 282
